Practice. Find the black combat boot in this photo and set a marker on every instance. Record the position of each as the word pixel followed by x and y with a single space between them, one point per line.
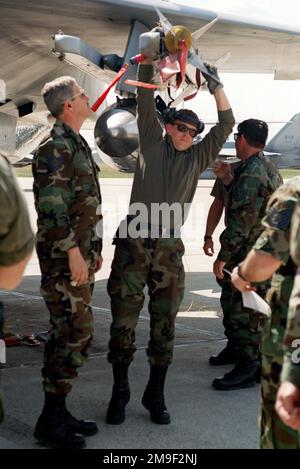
pixel 153 398
pixel 84 427
pixel 52 425
pixel 243 375
pixel 120 395
pixel 227 356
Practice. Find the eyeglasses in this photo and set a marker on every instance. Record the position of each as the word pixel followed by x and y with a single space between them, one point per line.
pixel 184 129
pixel 81 93
pixel 236 136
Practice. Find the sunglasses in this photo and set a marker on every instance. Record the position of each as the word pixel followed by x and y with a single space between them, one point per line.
pixel 236 136
pixel 184 129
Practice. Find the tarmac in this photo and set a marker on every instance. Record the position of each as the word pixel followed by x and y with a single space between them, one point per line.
pixel 201 417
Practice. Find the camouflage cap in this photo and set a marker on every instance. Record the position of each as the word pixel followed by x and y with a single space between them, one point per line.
pixel 254 129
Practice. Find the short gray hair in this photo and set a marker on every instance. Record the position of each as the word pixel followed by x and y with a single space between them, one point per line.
pixel 56 92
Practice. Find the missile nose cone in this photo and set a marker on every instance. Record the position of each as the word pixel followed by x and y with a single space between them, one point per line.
pixel 116 131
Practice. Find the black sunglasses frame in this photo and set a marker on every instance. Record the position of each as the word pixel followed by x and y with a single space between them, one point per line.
pixel 184 129
pixel 236 136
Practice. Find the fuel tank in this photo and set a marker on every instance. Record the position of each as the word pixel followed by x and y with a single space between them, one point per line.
pixel 117 137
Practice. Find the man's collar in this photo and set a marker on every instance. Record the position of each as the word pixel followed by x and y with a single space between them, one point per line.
pixel 60 128
pixel 259 153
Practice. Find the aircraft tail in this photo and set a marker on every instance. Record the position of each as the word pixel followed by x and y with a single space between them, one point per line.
pixel 287 139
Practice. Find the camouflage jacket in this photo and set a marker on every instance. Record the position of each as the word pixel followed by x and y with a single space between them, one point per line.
pixel 254 182
pixel 275 240
pixel 67 198
pixel 16 236
pixel 220 192
pixel 291 366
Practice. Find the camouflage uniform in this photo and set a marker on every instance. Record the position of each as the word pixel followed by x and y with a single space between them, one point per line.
pixel 157 263
pixel 16 236
pixel 220 192
pixel 291 368
pixel 67 200
pixel 2 344
pixel 163 175
pixel 275 240
pixel 254 182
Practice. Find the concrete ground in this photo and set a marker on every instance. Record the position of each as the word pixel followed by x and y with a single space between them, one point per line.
pixel 201 417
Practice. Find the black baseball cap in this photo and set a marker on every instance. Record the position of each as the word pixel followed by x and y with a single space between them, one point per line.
pixel 255 129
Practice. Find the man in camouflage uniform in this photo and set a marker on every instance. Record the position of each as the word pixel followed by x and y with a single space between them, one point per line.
pixel 271 255
pixel 167 172
pixel 67 200
pixel 288 396
pixel 220 194
pixel 16 237
pixel 251 186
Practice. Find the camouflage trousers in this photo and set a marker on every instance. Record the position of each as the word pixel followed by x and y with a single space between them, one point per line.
pixel 274 434
pixel 71 321
pixel 1 337
pixel 156 263
pixel 243 326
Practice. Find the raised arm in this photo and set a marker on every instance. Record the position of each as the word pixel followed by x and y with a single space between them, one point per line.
pixel 221 99
pixel 149 127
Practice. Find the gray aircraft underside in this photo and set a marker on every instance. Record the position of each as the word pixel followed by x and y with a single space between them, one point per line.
pixel 108 27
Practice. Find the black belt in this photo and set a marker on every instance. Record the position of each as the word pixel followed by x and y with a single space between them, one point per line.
pixel 153 231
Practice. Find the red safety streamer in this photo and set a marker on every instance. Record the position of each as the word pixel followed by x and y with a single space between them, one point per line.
pixel 101 98
pixel 183 60
pixel 198 83
pixel 141 83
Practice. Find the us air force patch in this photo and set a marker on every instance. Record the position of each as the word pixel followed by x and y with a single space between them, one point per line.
pixel 55 161
pixel 280 218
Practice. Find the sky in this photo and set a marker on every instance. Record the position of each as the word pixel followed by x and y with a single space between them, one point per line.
pixel 271 100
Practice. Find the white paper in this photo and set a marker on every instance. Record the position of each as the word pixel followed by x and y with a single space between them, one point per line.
pixel 253 301
pixel 2 351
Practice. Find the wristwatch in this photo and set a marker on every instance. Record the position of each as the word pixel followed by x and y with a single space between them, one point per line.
pixel 207 237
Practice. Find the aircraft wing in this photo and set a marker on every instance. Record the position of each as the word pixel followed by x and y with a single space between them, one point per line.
pixel 26 36
pixel 27 61
pixel 255 46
